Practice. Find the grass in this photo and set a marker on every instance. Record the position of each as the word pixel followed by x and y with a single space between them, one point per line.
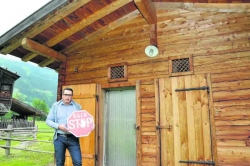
pixel 28 158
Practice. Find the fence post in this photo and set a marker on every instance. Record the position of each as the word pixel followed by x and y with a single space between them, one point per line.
pixel 35 132
pixel 8 141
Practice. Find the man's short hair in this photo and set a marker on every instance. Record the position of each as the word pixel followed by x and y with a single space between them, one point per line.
pixel 70 89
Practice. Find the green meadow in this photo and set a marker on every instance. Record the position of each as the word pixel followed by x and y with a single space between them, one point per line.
pixel 29 158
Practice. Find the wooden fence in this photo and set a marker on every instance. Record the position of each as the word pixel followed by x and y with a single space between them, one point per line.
pixel 10 131
pixel 16 123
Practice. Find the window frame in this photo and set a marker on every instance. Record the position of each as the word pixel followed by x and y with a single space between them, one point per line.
pixel 171 58
pixel 125 67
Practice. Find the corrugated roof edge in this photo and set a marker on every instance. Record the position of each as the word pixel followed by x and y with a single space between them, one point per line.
pixel 32 19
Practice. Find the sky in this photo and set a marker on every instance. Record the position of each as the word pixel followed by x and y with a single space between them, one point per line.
pixel 13 12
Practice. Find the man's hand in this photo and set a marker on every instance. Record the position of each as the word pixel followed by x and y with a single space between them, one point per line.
pixel 63 128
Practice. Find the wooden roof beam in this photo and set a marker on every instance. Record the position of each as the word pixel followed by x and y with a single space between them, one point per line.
pixel 147 9
pixel 97 34
pixel 46 62
pixel 204 7
pixel 42 50
pixel 42 25
pixel 80 25
pixel 85 22
pixel 153 34
pixel 29 56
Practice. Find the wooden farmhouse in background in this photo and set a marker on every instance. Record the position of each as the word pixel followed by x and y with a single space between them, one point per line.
pixel 7 80
pixel 189 105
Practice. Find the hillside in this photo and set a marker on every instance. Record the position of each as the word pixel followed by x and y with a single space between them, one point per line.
pixel 35 82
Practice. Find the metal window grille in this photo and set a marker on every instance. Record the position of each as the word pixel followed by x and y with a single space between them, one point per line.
pixel 117 72
pixel 180 65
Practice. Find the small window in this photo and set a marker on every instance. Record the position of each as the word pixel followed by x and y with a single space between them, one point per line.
pixel 5 87
pixel 180 65
pixel 5 91
pixel 117 72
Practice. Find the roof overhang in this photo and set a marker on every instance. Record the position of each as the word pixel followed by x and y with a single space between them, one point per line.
pixel 25 109
pixel 64 27
pixel 9 73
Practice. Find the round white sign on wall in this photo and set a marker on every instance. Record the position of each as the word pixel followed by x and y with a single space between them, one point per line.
pixel 151 51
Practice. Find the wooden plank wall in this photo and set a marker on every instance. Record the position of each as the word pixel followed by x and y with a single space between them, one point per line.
pixel 124 44
pixel 148 127
pixel 219 44
pixel 231 94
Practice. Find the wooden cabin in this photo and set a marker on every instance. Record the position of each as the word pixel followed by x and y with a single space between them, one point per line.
pixel 167 81
pixel 7 80
pixel 21 112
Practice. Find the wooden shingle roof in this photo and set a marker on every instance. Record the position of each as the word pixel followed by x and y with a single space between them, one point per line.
pixel 25 109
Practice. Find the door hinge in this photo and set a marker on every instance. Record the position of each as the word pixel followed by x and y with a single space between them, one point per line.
pixel 197 162
pixel 136 127
pixel 96 157
pixel 190 89
pixel 169 127
pixel 97 98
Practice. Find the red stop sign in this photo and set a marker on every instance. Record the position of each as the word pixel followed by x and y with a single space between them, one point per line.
pixel 80 123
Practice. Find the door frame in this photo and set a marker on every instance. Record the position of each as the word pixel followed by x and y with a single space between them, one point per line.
pixel 101 91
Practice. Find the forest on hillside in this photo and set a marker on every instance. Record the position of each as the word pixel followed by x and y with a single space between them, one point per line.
pixel 36 85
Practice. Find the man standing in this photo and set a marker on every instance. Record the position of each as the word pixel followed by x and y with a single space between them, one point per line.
pixel 63 139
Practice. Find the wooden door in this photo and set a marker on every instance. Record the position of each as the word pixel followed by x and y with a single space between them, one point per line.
pixel 85 95
pixel 185 121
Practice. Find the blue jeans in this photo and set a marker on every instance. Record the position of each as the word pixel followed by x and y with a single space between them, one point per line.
pixel 72 144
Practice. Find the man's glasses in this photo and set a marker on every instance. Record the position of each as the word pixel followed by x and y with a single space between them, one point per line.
pixel 68 95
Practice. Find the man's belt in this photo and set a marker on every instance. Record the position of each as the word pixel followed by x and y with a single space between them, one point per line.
pixel 65 135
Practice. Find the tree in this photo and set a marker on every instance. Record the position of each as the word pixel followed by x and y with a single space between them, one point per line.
pixel 40 105
pixel 18 95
